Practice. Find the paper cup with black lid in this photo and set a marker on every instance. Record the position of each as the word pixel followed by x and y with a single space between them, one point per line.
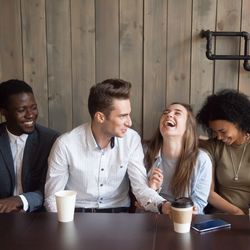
pixel 181 211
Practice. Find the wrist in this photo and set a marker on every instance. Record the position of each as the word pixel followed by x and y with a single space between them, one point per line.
pixel 160 206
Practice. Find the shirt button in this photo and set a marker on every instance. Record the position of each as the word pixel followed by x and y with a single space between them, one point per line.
pixel 101 185
pixel 121 166
pixel 101 198
pixel 102 169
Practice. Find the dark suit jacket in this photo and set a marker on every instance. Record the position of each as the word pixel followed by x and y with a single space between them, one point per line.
pixel 35 164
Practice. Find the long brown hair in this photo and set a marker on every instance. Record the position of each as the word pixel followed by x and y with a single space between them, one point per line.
pixel 187 161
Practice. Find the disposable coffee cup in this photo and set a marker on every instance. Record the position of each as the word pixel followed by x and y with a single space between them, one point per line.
pixel 181 212
pixel 65 203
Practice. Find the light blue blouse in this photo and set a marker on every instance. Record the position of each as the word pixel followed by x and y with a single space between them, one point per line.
pixel 199 184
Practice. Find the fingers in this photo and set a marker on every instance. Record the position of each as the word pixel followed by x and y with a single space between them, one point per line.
pixel 195 210
pixel 156 178
pixel 138 205
pixel 166 208
pixel 156 175
pixel 11 204
pixel 156 171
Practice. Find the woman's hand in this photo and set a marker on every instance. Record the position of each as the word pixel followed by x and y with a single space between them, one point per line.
pixel 221 204
pixel 156 178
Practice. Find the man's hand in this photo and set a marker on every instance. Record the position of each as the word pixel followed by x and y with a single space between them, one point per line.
pixel 166 208
pixel 156 179
pixel 11 204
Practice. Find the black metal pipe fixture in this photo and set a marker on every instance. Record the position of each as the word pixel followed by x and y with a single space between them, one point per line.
pixel 209 36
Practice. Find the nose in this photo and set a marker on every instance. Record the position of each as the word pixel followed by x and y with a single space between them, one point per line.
pixel 29 113
pixel 170 114
pixel 219 136
pixel 128 122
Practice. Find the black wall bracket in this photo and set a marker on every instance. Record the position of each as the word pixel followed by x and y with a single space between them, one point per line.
pixel 209 36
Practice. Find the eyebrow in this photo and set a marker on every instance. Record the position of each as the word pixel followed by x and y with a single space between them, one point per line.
pixel 221 129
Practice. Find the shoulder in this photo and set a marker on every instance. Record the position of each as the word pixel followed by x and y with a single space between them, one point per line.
pixel 46 131
pixel 203 159
pixel 44 135
pixel 75 134
pixel 213 148
pixel 203 165
pixel 130 142
pixel 131 136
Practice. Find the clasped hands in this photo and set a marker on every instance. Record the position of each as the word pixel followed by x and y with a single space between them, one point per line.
pixel 11 204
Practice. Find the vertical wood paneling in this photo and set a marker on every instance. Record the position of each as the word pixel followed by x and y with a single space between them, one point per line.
pixel 59 64
pixel 204 13
pixel 11 40
pixel 178 50
pixel 131 49
pixel 155 17
pixel 34 53
pixel 107 39
pixel 155 44
pixel 83 57
pixel 244 77
pixel 228 19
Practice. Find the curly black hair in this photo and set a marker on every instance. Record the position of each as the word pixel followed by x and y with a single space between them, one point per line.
pixel 229 105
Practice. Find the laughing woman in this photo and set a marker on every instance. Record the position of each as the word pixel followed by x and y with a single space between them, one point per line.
pixel 176 166
pixel 226 117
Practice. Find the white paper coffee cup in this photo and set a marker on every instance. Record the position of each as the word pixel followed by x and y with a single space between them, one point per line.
pixel 181 212
pixel 65 203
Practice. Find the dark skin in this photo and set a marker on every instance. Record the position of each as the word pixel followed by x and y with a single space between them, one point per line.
pixel 20 115
pixel 11 204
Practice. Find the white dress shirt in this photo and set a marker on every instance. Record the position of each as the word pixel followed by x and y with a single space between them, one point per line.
pixel 100 176
pixel 17 144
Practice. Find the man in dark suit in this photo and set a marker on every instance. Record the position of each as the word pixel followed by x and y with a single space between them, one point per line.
pixel 24 149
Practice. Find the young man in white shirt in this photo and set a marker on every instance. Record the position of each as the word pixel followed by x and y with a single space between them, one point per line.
pixel 102 158
pixel 24 149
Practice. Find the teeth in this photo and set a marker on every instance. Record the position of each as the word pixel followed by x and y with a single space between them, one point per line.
pixel 170 123
pixel 29 123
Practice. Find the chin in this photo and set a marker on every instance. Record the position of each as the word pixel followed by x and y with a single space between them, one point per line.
pixel 28 131
pixel 120 135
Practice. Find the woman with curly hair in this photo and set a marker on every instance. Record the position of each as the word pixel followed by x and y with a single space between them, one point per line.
pixel 176 166
pixel 226 117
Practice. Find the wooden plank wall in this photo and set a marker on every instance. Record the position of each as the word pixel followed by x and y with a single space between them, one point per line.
pixel 63 47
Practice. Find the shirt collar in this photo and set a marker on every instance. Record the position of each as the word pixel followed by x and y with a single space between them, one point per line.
pixel 92 142
pixel 13 138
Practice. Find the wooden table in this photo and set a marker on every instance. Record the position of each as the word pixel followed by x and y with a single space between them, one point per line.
pixel 41 231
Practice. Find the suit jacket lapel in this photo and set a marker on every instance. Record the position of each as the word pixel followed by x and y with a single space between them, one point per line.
pixel 6 152
pixel 28 157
